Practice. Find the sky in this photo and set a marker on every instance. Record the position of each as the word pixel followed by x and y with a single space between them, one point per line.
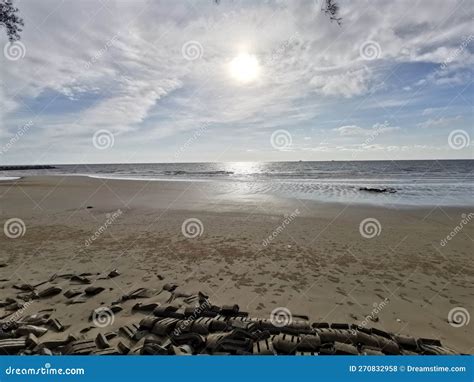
pixel 193 81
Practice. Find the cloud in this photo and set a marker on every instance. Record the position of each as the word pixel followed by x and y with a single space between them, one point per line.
pixel 347 84
pixel 357 131
pixel 440 122
pixel 120 66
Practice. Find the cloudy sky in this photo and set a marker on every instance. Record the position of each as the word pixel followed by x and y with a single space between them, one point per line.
pixel 177 81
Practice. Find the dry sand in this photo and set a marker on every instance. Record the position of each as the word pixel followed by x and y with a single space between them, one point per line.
pixel 318 264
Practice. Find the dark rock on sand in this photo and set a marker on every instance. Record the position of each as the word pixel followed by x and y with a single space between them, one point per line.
pixel 101 341
pixel 93 290
pixel 49 292
pixel 80 279
pixel 378 190
pixel 113 274
pixel 72 293
pixel 31 329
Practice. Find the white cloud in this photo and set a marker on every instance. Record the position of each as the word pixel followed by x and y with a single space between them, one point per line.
pixel 440 122
pixel 354 130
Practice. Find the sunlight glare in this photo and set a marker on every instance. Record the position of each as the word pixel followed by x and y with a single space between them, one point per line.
pixel 244 68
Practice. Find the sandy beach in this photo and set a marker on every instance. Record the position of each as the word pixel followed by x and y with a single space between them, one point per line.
pixel 259 252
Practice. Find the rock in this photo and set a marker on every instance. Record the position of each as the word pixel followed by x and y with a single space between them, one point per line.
pixel 83 347
pixel 139 293
pixel 80 279
pixel 378 190
pixel 49 292
pixel 25 287
pixel 139 334
pixel 108 351
pixel 129 330
pixel 182 350
pixel 101 341
pixel 168 311
pixel 124 349
pixel 147 323
pixel 113 274
pixel 92 290
pixel 53 343
pixel 263 347
pixel 14 306
pixel 153 346
pixel 32 341
pixel 406 342
pixel 309 343
pixel 345 349
pixel 45 351
pixel 6 331
pixel 165 326
pixel 116 308
pixel 25 330
pixel 229 310
pixel 12 346
pixel 7 301
pixel 72 293
pixel 55 324
pixel 169 287
pixel 145 307
pixel 77 300
pixel 36 319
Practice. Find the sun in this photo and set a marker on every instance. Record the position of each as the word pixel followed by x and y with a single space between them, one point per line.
pixel 244 68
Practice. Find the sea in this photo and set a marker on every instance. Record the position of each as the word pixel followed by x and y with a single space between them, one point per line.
pixel 411 183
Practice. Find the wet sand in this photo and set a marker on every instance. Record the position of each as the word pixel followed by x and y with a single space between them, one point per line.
pixel 316 263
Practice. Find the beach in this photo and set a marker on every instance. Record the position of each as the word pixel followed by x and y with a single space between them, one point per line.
pixel 261 252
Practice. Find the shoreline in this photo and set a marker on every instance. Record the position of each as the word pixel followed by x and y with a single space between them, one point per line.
pixel 357 203
pixel 317 265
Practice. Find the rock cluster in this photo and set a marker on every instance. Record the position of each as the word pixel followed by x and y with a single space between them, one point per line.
pixel 167 321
